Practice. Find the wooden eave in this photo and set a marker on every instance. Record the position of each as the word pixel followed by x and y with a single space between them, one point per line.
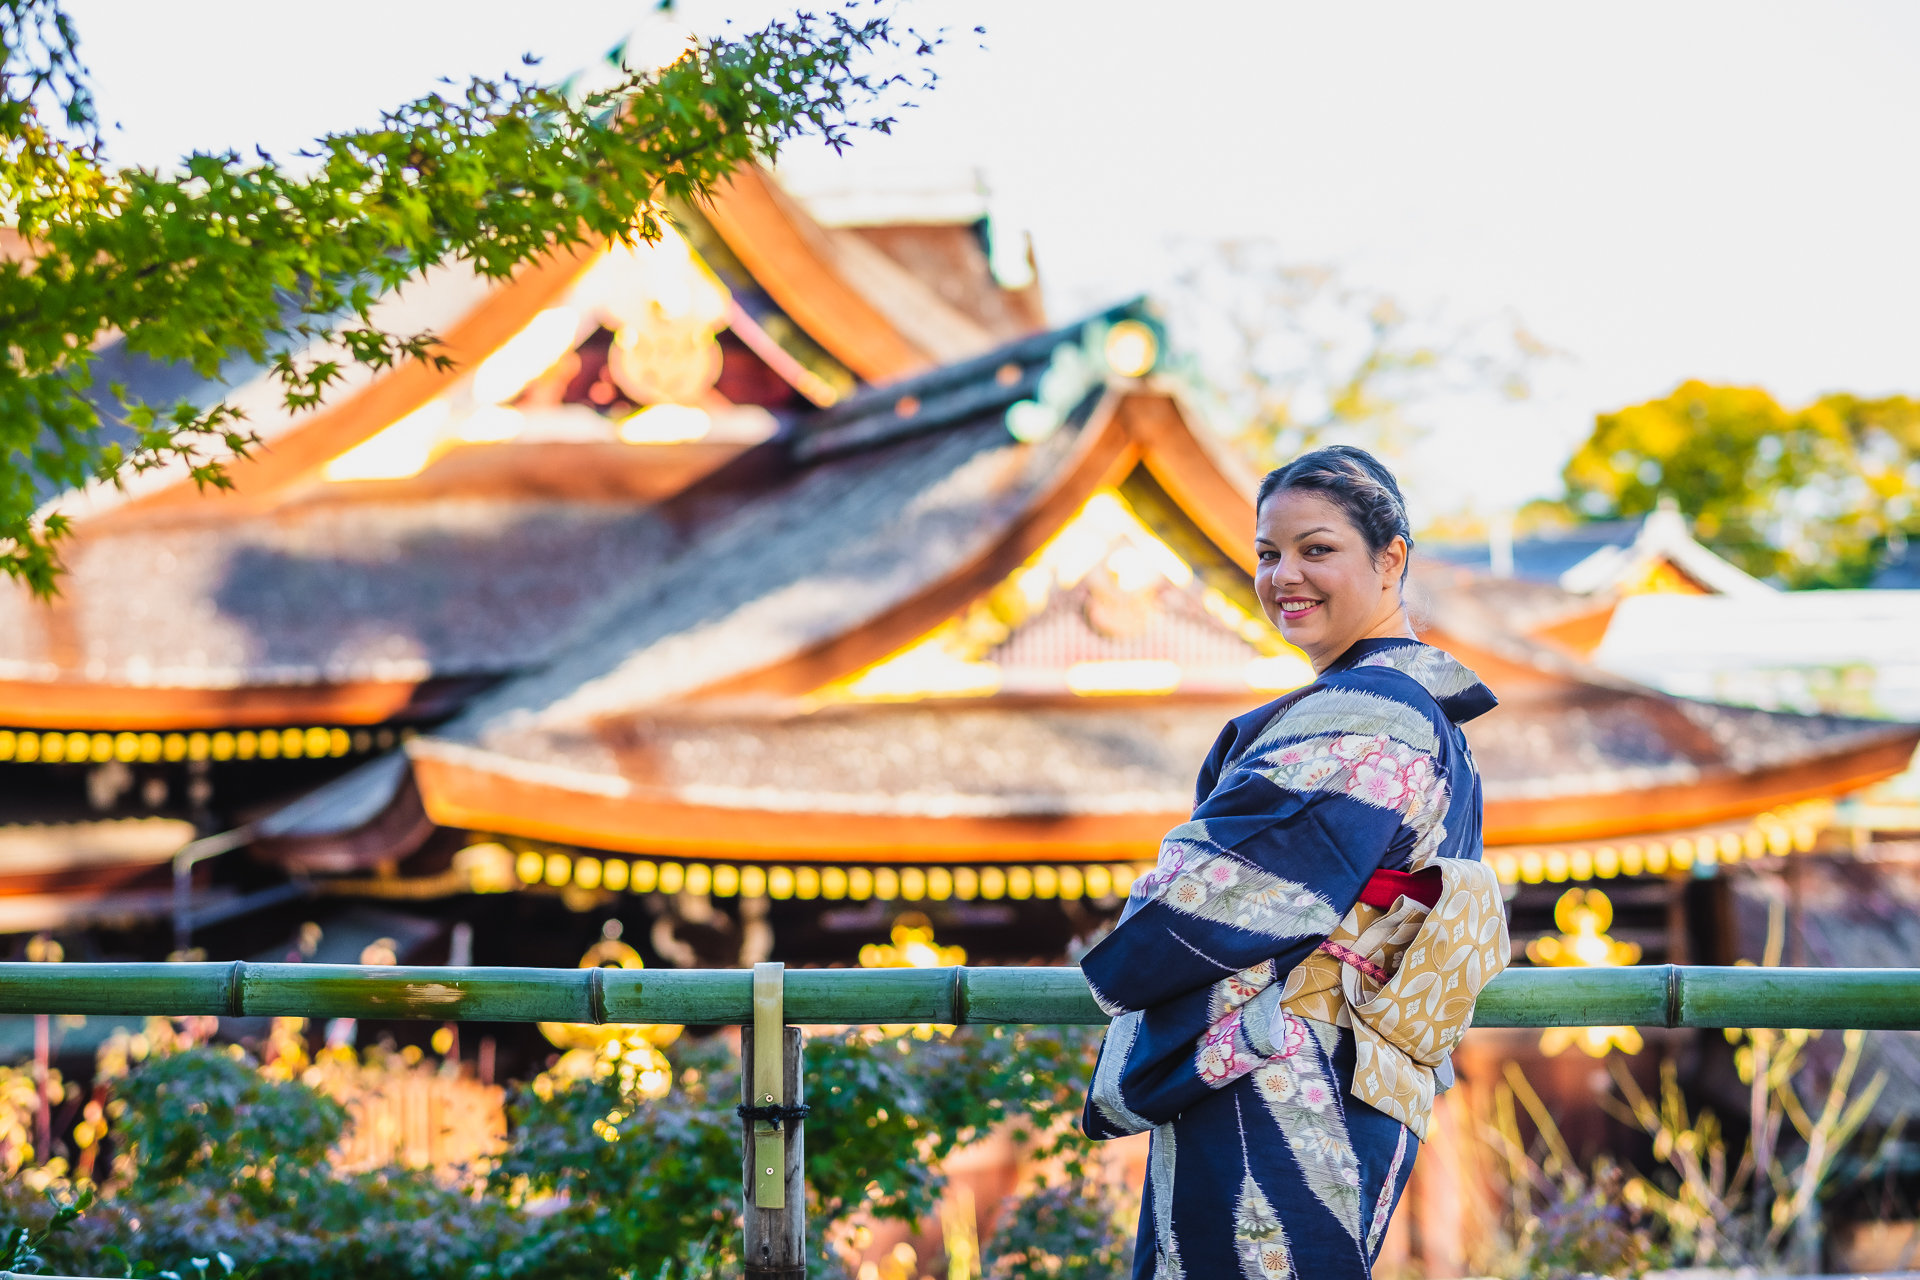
pixel 828 288
pixel 851 299
pixel 1719 796
pixel 317 438
pixel 399 829
pixel 1210 487
pixel 558 470
pixel 91 857
pixel 1579 634
pixel 1716 796
pixel 72 704
pixel 458 794
pixel 1129 429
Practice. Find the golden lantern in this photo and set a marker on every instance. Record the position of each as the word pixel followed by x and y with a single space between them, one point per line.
pixel 1583 917
pixel 912 947
pixel 630 1050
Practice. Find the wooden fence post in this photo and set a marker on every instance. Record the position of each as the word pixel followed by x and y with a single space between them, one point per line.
pixel 774 1211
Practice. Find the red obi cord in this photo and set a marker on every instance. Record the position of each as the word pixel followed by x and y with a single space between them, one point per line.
pixel 1385 886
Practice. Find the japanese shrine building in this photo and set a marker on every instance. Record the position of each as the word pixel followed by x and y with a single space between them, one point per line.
pixel 756 586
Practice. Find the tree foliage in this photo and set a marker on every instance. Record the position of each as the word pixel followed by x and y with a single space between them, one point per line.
pixel 656 1180
pixel 1809 497
pixel 218 1157
pixel 280 263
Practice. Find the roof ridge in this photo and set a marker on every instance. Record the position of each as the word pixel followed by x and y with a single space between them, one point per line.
pixel 954 393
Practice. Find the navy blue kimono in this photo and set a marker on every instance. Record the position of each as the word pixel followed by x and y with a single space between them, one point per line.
pixel 1262 1162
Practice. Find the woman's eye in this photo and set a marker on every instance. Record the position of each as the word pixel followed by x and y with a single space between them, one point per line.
pixel 1318 549
pixel 1266 556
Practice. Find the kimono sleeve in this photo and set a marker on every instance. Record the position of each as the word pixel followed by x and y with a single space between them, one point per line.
pixel 1156 1063
pixel 1277 854
pixel 1216 761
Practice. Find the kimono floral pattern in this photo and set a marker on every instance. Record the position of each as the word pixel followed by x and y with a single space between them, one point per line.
pixel 1224 1053
pixel 1259 1237
pixel 1228 1050
pixel 1230 993
pixel 1369 767
pixel 1196 877
pixel 1303 1096
pixel 1281 1111
pixel 1370 748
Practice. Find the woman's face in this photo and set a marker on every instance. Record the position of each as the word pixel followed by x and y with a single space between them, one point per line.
pixel 1318 582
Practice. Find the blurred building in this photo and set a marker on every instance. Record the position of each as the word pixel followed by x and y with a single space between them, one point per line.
pixel 756 587
pixel 1643 602
pixel 1562 585
pixel 765 580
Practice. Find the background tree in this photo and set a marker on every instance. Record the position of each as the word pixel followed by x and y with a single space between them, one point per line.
pixel 1296 356
pixel 1810 497
pixel 281 263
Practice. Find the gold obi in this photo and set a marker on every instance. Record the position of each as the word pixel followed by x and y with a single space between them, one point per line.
pixel 1405 980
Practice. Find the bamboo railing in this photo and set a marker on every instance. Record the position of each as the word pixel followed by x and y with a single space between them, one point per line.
pixel 766 1002
pixel 1646 995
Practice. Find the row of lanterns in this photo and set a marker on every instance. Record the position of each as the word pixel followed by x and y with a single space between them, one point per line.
pixel 859 884
pixel 54 746
pixel 1770 836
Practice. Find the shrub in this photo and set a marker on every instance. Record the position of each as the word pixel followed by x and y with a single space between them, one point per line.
pixel 220 1157
pixel 1072 1230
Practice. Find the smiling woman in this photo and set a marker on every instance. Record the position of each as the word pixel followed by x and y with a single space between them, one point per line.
pixel 1333 548
pixel 1289 982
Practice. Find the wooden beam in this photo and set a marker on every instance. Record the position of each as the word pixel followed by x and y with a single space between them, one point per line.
pixel 774 1213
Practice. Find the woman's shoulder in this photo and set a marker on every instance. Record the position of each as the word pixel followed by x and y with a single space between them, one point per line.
pixel 1369 701
pixel 1242 730
pixel 1420 676
pixel 1380 680
pixel 1406 690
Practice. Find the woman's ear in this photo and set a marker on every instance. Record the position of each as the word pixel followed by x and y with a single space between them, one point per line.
pixel 1392 560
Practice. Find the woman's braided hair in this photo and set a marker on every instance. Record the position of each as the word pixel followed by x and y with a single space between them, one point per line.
pixel 1356 482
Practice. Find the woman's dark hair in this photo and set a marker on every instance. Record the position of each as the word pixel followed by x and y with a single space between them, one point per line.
pixel 1356 482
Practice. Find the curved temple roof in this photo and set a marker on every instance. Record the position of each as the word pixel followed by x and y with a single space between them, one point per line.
pixel 837 645
pixel 810 297
pixel 700 718
pixel 294 598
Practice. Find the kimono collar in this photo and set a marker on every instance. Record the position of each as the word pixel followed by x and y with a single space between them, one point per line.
pixel 1458 691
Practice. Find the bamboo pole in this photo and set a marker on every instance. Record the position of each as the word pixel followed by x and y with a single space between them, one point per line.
pixel 1647 995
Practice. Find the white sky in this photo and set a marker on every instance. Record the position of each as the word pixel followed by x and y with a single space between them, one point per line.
pixel 1716 190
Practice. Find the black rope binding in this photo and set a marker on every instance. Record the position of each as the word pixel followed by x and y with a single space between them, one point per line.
pixel 775 1116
